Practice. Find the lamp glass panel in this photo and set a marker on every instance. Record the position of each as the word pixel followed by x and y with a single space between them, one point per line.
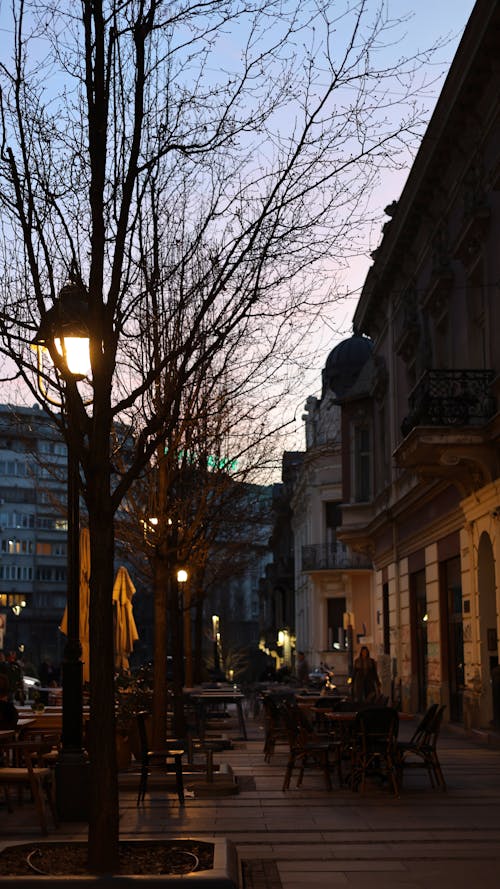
pixel 76 352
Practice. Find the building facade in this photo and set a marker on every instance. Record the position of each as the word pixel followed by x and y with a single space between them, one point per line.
pixel 333 584
pixel 277 601
pixel 33 532
pixel 431 306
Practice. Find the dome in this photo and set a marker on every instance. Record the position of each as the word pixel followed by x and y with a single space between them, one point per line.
pixel 345 362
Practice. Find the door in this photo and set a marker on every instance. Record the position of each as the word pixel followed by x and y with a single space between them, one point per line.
pixel 419 617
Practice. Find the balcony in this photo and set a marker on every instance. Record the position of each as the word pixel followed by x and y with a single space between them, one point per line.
pixel 451 431
pixel 326 557
pixel 451 398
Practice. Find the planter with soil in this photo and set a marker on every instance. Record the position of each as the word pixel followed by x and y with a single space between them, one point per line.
pixel 144 862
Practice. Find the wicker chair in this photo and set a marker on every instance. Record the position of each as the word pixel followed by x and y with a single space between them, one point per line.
pixel 421 750
pixel 26 771
pixel 373 751
pixel 306 748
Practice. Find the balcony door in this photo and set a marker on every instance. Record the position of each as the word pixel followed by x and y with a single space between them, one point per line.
pixel 335 619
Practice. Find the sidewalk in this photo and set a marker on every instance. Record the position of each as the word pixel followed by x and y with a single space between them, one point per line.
pixel 308 837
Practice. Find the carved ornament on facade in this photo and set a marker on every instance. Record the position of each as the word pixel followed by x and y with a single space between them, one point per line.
pixel 409 333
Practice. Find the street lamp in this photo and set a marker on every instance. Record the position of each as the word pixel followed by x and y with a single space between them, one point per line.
pixel 64 334
pixel 216 639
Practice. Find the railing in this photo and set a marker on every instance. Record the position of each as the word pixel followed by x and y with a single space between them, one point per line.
pixel 451 398
pixel 324 556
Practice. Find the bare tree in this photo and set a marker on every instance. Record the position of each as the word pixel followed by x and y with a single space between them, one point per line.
pixel 194 164
pixel 187 511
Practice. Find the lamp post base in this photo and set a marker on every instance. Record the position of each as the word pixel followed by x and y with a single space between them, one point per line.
pixel 72 786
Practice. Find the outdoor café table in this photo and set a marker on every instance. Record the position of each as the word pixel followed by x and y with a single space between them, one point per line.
pixel 48 720
pixel 7 734
pixel 343 721
pixel 203 700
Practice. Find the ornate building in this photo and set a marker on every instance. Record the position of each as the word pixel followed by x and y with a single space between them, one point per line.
pixel 431 306
pixel 333 585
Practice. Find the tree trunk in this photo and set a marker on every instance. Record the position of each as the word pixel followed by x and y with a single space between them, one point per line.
pixel 104 811
pixel 198 640
pixel 160 697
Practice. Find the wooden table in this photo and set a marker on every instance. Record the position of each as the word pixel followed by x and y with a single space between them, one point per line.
pixel 48 720
pixel 204 699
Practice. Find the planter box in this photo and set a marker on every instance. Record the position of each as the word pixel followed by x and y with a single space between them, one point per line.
pixel 223 874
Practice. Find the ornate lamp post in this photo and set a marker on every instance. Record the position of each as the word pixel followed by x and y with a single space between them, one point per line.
pixel 64 334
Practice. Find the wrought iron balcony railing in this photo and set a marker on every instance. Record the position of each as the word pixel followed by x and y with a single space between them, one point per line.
pixel 324 556
pixel 451 398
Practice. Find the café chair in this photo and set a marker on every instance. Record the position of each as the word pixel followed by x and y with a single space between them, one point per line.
pixel 373 749
pixel 27 773
pixel 421 750
pixel 274 727
pixel 305 747
pixel 158 760
pixel 420 732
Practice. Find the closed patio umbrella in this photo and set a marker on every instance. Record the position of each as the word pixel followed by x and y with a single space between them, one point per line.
pixel 125 629
pixel 84 602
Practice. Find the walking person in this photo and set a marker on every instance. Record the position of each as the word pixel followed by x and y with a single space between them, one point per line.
pixel 366 683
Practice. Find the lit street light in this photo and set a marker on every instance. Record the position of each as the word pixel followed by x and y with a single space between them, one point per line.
pixel 64 334
pixel 216 641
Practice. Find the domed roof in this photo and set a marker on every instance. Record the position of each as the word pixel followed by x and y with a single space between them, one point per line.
pixel 345 362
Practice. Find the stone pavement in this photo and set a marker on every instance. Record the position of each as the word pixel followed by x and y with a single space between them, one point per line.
pixel 310 837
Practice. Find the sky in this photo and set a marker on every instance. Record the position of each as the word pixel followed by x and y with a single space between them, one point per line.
pixel 429 21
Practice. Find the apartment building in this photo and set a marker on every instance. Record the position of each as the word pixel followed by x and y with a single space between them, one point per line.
pixel 33 530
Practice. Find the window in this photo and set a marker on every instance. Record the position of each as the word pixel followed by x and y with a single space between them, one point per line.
pixel 16 572
pixel 51 573
pixel 59 549
pixel 49 600
pixel 333 519
pixel 43 549
pixel 335 622
pixel 51 524
pixel 362 460
pixel 23 520
pixel 23 547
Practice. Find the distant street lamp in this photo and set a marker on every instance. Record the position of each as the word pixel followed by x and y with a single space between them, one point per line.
pixel 64 334
pixel 216 639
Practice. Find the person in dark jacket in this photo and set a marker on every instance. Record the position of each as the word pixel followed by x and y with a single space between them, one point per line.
pixel 302 668
pixel 365 684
